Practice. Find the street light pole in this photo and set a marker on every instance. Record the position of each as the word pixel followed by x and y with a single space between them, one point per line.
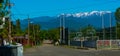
pixel 110 26
pixel 64 28
pixel 60 30
pixel 103 27
pixel 28 30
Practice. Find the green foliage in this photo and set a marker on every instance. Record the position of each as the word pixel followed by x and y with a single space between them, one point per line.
pixel 86 31
pixel 14 43
pixel 27 46
pixel 4 32
pixel 3 6
pixel 3 12
pixel 1 22
pixel 117 16
pixel 17 29
pixel 52 34
pixel 90 32
pixel 34 33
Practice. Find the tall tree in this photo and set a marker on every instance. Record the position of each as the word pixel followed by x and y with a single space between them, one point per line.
pixel 117 17
pixel 18 28
pixel 3 12
pixel 117 14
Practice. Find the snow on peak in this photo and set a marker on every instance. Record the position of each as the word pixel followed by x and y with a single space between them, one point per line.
pixel 84 14
pixel 91 13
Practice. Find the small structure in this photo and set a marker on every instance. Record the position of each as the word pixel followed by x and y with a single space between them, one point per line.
pixel 21 39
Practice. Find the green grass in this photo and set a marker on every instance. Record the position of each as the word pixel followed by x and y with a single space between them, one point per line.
pixel 27 46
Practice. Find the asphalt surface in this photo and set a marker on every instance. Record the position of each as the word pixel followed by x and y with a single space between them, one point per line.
pixel 50 50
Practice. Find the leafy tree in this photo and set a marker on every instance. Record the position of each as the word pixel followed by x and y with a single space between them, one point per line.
pixel 51 34
pixel 4 32
pixel 117 17
pixel 88 31
pixel 18 28
pixel 13 31
pixel 43 34
pixel 34 33
pixel 3 6
pixel 54 34
pixel 3 12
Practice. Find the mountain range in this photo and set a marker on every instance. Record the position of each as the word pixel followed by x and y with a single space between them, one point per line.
pixel 74 21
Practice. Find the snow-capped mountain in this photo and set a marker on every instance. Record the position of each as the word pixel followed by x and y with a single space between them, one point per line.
pixel 85 14
pixel 75 21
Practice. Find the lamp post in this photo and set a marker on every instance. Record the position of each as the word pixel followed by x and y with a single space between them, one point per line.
pixel 110 26
pixel 103 26
pixel 62 28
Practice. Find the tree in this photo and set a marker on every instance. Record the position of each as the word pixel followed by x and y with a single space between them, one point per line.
pixel 54 34
pixel 51 34
pixel 4 32
pixel 89 31
pixel 3 12
pixel 34 31
pixel 18 28
pixel 3 8
pixel 117 17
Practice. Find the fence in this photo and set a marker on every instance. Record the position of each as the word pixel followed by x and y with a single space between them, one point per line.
pixel 75 43
pixel 90 44
pixel 108 44
pixel 99 44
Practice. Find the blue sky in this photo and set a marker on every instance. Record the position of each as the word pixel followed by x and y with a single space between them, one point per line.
pixel 36 8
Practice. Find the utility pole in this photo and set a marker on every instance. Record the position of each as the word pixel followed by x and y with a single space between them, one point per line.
pixel 103 27
pixel 60 30
pixel 28 30
pixel 110 26
pixel 64 28
pixel 9 12
pixel 116 30
pixel 34 33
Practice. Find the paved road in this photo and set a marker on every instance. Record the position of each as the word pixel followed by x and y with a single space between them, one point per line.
pixel 50 50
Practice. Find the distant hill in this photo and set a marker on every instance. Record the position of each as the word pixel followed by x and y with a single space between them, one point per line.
pixel 73 21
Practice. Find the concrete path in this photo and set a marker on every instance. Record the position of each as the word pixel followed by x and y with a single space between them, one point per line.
pixel 50 50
